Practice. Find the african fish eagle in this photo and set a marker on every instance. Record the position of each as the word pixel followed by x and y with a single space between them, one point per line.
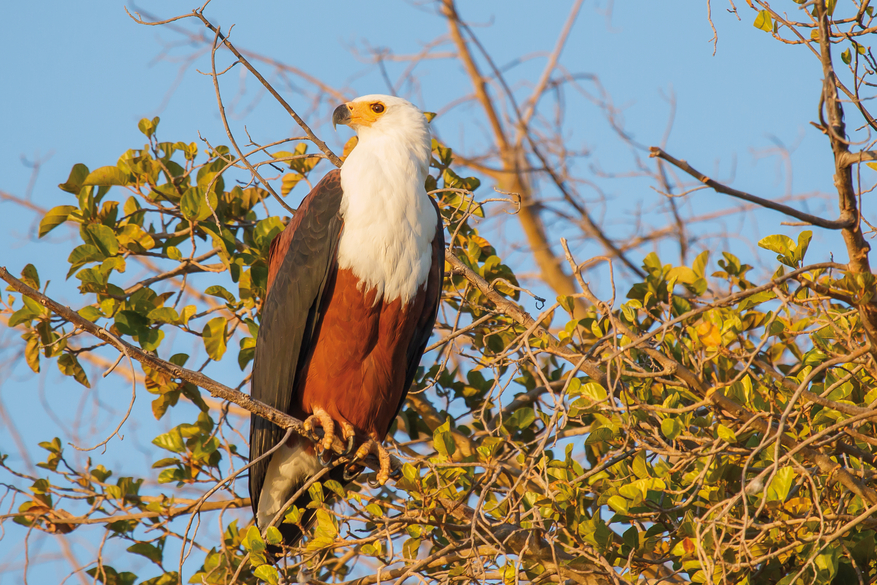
pixel 354 285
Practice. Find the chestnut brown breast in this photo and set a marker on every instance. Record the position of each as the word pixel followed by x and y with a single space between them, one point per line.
pixel 356 371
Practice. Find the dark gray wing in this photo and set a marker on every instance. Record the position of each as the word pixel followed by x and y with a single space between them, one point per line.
pixel 300 261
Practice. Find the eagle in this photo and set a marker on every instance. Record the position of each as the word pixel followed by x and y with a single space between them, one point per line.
pixel 354 285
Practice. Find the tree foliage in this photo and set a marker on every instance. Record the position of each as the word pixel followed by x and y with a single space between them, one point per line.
pixel 708 423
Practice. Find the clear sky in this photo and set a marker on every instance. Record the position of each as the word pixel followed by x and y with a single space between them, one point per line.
pixel 77 76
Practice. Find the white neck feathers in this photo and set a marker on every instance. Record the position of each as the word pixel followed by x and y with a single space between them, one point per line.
pixel 389 221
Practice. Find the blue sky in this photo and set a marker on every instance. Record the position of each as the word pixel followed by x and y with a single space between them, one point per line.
pixel 84 73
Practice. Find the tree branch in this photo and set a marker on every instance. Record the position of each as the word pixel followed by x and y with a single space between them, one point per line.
pixel 838 224
pixel 198 13
pixel 512 160
pixel 857 246
pixel 216 389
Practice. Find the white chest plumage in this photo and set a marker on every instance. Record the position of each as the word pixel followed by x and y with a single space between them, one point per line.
pixel 389 222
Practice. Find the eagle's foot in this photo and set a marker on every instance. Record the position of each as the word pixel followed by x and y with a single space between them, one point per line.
pixel 322 417
pixel 373 447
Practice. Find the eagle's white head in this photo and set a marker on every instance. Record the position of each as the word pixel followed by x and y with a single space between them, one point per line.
pixel 387 122
pixel 389 221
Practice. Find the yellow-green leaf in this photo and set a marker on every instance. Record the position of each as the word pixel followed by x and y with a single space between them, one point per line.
pixel 171 441
pixel 74 181
pixel 268 574
pixel 55 217
pixel 726 434
pixel 618 504
pixel 763 21
pixel 215 336
pixel 781 483
pixel 106 177
pixel 671 428
pixel 70 366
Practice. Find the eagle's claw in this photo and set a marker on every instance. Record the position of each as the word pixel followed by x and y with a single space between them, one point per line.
pixel 322 417
pixel 351 472
pixel 372 446
pixel 376 483
pixel 323 459
pixel 350 445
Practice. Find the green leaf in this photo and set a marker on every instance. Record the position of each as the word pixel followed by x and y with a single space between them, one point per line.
pixel 268 574
pixel 215 335
pixel 520 419
pixel 170 578
pixel 290 180
pixel 188 312
pixel 148 126
pixel 326 524
pixel 166 462
pixel 22 315
pixel 700 263
pixel 316 492
pixel 846 57
pixel 32 352
pixel 619 504
pixel 444 440
pixel 190 204
pixel 74 181
pixel 780 485
pixel 70 366
pixel 219 291
pixel 55 217
pixel 100 473
pixel 756 299
pixel 294 516
pixel 30 276
pixel 726 434
pixel 273 536
pixel 593 390
pixel 411 548
pixel 253 540
pixel 763 21
pixel 90 313
pixel 107 177
pixel 336 487
pixel 163 315
pixel 170 475
pixel 566 301
pixel 82 255
pixel 135 239
pixel 671 428
pixel 102 238
pixel 53 446
pixel 803 244
pixel 145 549
pixel 779 243
pixel 682 274
pixel 171 441
pixel 652 264
pixel 109 576
pixel 194 206
pixel 266 230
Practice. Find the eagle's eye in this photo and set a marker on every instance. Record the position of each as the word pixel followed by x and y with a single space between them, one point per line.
pixel 378 108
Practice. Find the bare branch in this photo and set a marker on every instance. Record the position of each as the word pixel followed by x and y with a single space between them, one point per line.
pixel 838 224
